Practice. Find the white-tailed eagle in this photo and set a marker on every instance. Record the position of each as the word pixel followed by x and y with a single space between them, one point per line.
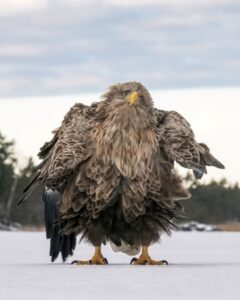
pixel 112 164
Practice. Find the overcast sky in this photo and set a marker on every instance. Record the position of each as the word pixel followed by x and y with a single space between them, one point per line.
pixel 50 47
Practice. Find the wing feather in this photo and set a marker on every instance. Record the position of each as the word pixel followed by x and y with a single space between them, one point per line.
pixel 178 140
pixel 70 145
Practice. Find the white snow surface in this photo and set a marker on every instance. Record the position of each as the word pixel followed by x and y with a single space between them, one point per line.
pixel 202 265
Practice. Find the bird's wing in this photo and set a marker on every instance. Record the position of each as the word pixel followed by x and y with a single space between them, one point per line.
pixel 70 145
pixel 177 138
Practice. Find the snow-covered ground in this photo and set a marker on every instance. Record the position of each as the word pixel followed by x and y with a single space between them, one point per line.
pixel 201 266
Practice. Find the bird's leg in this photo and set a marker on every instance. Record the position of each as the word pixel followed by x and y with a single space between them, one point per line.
pixel 97 259
pixel 145 259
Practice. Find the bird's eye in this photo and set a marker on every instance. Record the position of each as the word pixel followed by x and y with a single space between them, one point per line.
pixel 125 93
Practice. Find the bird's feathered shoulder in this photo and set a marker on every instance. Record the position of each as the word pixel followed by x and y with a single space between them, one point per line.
pixel 70 145
pixel 172 128
pixel 176 136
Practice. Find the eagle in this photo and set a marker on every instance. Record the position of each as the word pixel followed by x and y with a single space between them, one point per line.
pixel 109 173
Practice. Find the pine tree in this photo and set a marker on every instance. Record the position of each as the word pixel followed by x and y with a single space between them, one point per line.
pixel 7 162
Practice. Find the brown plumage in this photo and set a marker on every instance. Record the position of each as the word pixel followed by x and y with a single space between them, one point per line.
pixel 113 162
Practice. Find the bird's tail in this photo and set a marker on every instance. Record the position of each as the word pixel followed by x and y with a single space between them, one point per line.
pixel 59 243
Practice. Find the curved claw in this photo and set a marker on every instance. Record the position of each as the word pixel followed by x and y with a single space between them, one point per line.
pixel 165 262
pixel 106 261
pixel 74 262
pixel 134 259
pixel 102 261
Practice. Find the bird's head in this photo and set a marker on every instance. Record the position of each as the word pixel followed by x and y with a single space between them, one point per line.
pixel 132 93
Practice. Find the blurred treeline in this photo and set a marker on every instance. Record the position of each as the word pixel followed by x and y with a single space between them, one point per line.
pixel 12 182
pixel 216 202
pixel 212 203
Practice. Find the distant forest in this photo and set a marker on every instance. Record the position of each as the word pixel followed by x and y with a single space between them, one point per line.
pixel 214 203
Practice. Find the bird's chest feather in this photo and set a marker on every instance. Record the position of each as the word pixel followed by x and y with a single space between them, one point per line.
pixel 127 144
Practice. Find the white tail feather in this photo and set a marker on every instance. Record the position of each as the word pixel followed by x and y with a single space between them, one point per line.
pixel 125 248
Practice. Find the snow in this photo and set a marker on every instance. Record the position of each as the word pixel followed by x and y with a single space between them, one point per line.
pixel 203 265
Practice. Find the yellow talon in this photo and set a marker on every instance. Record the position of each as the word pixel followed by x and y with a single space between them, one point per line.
pixel 97 259
pixel 145 259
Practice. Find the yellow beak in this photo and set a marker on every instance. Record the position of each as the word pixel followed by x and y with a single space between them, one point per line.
pixel 133 98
